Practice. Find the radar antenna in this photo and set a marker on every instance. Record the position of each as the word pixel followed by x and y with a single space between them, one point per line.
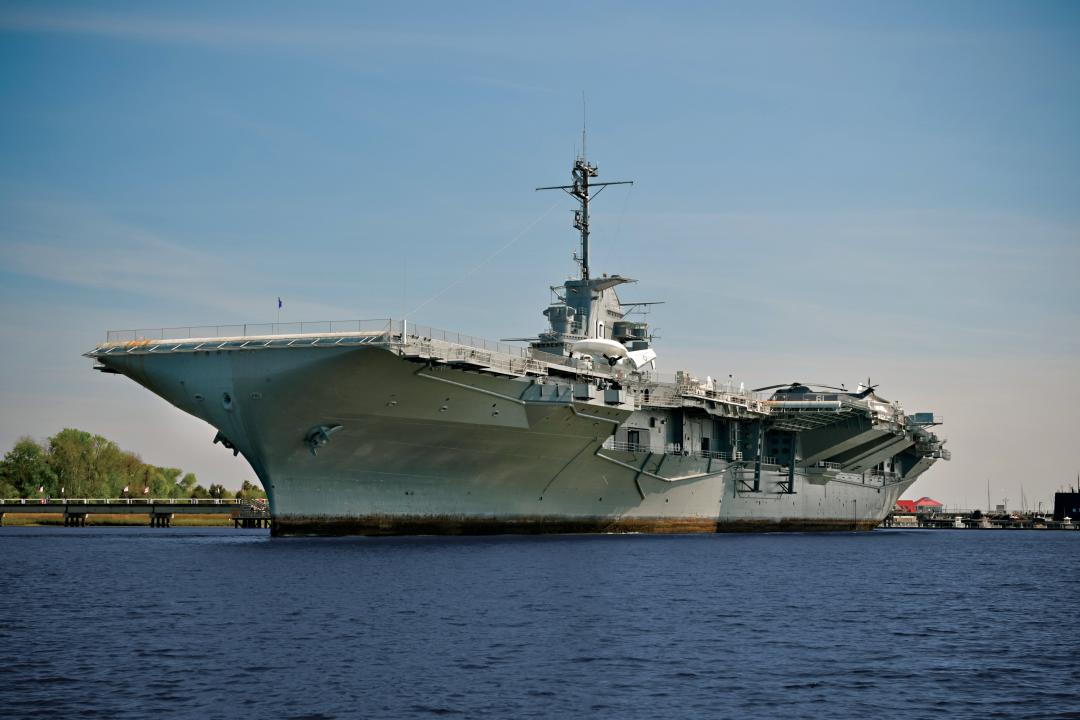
pixel 581 173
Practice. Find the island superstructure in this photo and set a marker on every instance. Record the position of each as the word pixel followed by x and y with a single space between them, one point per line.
pixel 388 427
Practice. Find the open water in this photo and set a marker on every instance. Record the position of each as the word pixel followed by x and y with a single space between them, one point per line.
pixel 208 623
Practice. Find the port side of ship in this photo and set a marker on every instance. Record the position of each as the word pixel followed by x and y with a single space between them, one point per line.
pixel 389 437
pixel 388 427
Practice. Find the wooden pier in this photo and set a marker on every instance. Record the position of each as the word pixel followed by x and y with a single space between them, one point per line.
pixel 160 512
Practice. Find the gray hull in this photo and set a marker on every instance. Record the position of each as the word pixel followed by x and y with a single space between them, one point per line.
pixel 422 448
pixel 384 427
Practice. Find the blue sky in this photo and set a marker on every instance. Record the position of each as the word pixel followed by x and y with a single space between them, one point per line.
pixel 824 191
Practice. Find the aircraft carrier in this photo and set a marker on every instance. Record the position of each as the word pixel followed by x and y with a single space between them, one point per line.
pixel 387 427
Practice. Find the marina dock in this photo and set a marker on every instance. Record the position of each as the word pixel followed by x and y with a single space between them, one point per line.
pixel 159 512
pixel 976 520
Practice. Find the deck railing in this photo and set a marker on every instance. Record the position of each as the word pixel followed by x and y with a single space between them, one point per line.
pixel 414 331
pixel 669 449
pixel 395 330
pixel 306 327
pixel 665 389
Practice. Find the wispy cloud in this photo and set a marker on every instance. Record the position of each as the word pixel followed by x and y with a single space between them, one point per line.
pixel 505 84
pixel 75 245
pixel 231 34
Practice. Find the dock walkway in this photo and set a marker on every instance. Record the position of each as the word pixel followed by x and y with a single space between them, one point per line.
pixel 160 512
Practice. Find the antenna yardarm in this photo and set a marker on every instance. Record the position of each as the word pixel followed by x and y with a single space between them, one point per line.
pixel 581 173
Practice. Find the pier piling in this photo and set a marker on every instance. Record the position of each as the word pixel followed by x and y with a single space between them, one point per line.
pixel 161 520
pixel 74 519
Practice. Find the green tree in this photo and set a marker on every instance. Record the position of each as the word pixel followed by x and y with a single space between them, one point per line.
pixel 218 491
pixel 93 466
pixel 87 465
pixel 250 491
pixel 186 485
pixel 25 468
pixel 162 481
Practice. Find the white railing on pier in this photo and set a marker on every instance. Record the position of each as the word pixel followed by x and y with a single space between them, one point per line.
pixel 122 501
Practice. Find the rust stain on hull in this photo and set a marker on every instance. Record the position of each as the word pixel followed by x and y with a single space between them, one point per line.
pixel 375 525
pixel 796 525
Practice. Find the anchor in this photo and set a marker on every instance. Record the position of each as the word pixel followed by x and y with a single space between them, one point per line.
pixel 319 436
pixel 219 438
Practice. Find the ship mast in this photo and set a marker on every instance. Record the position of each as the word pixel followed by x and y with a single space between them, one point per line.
pixel 580 188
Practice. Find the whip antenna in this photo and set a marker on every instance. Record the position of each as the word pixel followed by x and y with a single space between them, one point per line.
pixel 579 190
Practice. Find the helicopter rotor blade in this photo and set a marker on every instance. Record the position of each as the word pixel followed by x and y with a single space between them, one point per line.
pixel 800 384
pixel 865 392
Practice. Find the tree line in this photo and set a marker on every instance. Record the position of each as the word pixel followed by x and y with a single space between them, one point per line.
pixel 75 464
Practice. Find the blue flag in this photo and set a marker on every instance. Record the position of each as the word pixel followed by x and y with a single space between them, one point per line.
pixel 279 303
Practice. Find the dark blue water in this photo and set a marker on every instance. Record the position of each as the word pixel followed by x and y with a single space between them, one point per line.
pixel 188 622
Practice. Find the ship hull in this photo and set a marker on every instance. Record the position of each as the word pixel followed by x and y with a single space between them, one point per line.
pixel 414 448
pixel 377 525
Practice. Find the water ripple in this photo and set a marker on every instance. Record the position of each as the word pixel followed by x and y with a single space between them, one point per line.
pixel 191 623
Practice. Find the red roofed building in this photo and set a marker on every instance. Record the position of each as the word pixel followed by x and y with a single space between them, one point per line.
pixel 905 506
pixel 928 505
